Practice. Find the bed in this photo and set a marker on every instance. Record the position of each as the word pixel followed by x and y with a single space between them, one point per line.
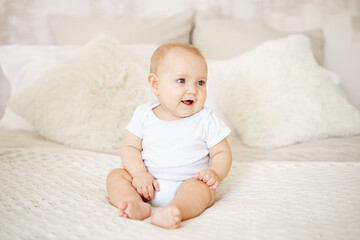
pixel 307 191
pixel 295 136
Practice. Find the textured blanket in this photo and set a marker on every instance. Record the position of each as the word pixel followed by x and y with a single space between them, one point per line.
pixel 57 194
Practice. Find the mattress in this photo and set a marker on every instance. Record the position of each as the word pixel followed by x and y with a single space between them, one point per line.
pixel 304 191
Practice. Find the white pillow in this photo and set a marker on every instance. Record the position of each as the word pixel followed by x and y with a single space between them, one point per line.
pixel 225 38
pixel 129 30
pixel 277 95
pixel 87 100
pixel 24 64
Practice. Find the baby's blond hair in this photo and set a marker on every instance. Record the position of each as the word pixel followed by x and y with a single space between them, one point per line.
pixel 161 52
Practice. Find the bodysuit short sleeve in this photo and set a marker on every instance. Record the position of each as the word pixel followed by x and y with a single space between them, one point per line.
pixel 136 123
pixel 215 129
pixel 138 119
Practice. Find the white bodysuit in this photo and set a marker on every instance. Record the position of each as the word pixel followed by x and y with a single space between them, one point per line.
pixel 174 151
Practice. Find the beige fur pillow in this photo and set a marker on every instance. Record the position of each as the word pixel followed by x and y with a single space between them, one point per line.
pixel 277 95
pixel 86 101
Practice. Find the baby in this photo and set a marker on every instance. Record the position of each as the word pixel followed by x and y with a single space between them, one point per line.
pixel 175 152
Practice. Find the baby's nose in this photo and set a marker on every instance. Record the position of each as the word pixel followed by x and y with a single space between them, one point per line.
pixel 191 89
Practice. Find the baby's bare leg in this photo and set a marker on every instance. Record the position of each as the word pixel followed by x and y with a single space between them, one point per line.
pixel 192 198
pixel 123 196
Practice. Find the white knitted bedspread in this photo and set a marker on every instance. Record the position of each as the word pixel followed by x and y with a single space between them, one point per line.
pixel 52 194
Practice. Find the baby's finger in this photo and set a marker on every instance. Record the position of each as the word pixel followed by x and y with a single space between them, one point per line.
pixel 151 192
pixel 211 181
pixel 206 178
pixel 139 190
pixel 215 185
pixel 145 193
pixel 199 176
pixel 156 186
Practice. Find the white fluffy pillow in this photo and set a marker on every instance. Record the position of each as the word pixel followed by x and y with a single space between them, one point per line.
pixel 87 100
pixel 278 95
pixel 24 64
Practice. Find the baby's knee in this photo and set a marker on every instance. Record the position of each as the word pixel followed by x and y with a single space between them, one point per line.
pixel 117 173
pixel 212 193
pixel 205 189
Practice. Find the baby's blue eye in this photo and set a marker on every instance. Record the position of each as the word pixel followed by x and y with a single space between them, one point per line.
pixel 201 83
pixel 181 80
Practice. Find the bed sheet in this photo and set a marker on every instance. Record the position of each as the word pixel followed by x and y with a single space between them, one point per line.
pixel 304 191
pixel 342 149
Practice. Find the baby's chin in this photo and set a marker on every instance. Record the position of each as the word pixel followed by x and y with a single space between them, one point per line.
pixel 196 109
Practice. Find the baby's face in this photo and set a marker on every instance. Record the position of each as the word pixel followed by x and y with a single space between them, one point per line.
pixel 182 80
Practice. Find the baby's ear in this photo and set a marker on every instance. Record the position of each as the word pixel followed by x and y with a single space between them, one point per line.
pixel 153 83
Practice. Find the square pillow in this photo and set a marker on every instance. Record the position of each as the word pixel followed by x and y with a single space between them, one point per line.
pixel 86 101
pixel 277 95
pixel 223 38
pixel 24 64
pixel 129 30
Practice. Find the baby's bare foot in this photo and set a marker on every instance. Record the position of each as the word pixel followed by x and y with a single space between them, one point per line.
pixel 137 209
pixel 168 217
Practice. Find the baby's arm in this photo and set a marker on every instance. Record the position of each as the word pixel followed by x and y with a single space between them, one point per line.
pixel 131 159
pixel 220 163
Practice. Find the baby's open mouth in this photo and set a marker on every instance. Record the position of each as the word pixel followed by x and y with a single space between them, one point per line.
pixel 187 102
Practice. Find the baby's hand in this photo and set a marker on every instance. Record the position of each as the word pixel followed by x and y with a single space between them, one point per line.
pixel 209 177
pixel 145 184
